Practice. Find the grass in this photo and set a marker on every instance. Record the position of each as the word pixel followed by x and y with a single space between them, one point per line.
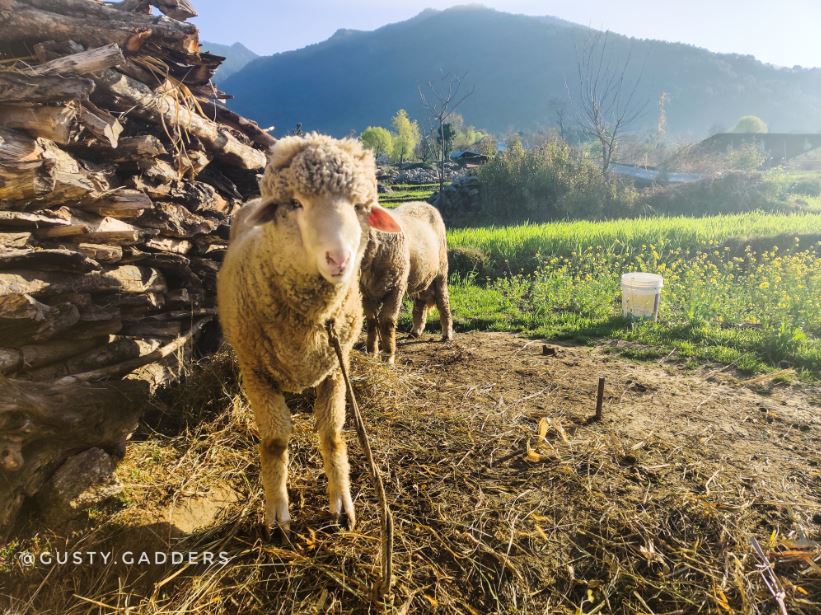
pixel 408 192
pixel 726 298
pixel 524 248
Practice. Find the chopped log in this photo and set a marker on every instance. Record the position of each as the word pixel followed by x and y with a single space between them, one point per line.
pixel 35 173
pixel 89 227
pixel 40 427
pixel 93 24
pixel 59 124
pixel 100 123
pixel 167 109
pixel 156 178
pixel 37 355
pixel 174 220
pixel 129 148
pixel 124 279
pixel 121 203
pixel 14 240
pixel 99 313
pixel 149 302
pixel 72 181
pixel 222 114
pixel 82 63
pixel 18 148
pixel 21 88
pixel 113 351
pixel 94 329
pixel 128 366
pixel 144 328
pixel 24 220
pixel 183 298
pixel 102 253
pixel 169 244
pixel 23 318
pixel 58 259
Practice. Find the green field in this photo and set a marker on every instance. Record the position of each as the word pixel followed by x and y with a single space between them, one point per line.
pixel 402 193
pixel 743 290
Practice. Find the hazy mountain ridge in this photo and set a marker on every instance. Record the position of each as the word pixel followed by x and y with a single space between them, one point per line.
pixel 236 57
pixel 518 64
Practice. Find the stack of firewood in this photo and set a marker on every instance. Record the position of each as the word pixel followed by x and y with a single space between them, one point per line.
pixel 119 168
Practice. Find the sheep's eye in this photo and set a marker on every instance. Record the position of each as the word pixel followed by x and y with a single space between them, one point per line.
pixel 359 208
pixel 294 204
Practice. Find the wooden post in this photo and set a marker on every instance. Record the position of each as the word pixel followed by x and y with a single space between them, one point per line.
pixel 599 400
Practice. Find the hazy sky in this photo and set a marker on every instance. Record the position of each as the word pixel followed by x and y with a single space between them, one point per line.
pixel 782 32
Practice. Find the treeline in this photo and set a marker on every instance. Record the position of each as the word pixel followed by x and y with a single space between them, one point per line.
pixel 406 142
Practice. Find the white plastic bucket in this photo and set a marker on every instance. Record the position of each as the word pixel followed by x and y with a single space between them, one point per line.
pixel 640 294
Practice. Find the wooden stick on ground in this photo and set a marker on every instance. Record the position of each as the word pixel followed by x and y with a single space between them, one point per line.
pixel 599 400
pixel 386 581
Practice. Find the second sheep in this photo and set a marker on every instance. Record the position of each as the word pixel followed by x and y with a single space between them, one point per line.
pixel 413 261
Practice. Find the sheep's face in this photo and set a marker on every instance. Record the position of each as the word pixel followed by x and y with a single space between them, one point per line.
pixel 326 188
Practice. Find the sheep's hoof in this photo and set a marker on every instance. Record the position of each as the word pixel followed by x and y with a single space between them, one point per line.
pixel 279 535
pixel 389 359
pixel 345 521
pixel 415 334
pixel 447 337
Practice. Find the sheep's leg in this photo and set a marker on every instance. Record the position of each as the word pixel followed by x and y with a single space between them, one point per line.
pixel 440 289
pixel 372 322
pixel 330 416
pixel 420 316
pixel 388 316
pixel 274 424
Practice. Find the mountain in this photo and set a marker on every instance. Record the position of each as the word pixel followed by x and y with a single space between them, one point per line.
pixel 236 56
pixel 518 65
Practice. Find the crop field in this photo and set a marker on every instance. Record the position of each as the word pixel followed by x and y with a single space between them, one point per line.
pixel 740 290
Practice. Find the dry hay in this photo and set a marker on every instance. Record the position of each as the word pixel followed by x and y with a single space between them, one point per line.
pixel 505 498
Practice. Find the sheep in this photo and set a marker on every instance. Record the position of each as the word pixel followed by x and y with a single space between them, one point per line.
pixel 413 261
pixel 292 265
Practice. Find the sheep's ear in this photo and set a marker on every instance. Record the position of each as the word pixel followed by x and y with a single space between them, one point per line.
pixel 381 220
pixel 254 213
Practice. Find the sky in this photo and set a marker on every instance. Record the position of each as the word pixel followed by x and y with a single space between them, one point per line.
pixel 780 32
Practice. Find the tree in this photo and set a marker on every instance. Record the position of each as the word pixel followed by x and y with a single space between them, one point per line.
pixel 441 100
pixel 607 104
pixel 750 124
pixel 377 139
pixel 406 136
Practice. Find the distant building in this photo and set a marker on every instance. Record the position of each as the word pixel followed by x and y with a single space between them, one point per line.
pixel 468 158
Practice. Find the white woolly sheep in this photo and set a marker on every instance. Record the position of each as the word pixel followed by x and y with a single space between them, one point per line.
pixel 293 264
pixel 413 261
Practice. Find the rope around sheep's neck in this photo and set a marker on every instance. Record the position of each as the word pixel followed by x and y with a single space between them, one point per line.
pixel 386 581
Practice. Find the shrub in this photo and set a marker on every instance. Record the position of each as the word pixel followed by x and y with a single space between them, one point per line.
pixel 730 193
pixel 467 260
pixel 808 186
pixel 547 182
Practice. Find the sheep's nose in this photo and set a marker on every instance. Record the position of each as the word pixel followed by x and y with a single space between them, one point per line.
pixel 338 260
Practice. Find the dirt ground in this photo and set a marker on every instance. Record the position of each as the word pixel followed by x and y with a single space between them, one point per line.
pixel 506 497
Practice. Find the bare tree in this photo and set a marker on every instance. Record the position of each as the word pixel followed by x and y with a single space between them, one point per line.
pixel 441 100
pixel 559 108
pixel 607 104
